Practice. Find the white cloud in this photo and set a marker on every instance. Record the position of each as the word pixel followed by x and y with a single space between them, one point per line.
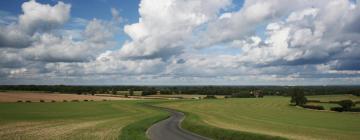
pixel 40 17
pixel 36 18
pixel 281 41
pixel 165 26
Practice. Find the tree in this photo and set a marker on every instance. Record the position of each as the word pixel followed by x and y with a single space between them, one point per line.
pixel 346 104
pixel 298 97
pixel 131 92
pixel 113 91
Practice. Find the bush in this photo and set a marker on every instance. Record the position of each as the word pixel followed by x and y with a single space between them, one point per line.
pixel 75 100
pixel 64 100
pixel 337 109
pixel 210 97
pixel 355 109
pixel 42 101
pixel 313 101
pixel 91 100
pixel 104 100
pixel 346 104
pixel 19 101
pixel 28 101
pixel 86 100
pixel 317 107
pixel 53 101
pixel 241 95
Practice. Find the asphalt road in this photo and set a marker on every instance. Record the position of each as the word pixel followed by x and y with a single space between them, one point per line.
pixel 169 129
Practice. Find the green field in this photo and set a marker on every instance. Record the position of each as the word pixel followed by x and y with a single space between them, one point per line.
pixel 242 118
pixel 269 116
pixel 327 98
pixel 77 120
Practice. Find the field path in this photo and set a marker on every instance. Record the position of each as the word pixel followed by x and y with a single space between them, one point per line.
pixel 170 129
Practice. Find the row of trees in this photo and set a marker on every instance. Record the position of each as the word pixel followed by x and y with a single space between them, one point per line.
pixel 202 90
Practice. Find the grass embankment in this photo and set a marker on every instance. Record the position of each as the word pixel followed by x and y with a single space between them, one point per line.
pixel 137 130
pixel 268 116
pixel 196 125
pixel 76 120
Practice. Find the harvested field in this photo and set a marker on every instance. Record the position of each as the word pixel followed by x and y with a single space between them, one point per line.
pixel 83 120
pixel 48 97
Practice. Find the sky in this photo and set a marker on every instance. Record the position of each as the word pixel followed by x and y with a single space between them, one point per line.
pixel 180 42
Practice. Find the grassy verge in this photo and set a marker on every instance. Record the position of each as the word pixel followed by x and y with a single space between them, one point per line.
pixel 194 124
pixel 137 130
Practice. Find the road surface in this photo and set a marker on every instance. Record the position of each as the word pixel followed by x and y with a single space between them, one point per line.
pixel 169 129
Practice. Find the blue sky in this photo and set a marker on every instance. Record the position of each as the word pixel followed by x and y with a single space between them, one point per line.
pixel 217 42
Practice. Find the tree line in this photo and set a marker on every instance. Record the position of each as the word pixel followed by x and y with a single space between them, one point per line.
pixel 202 90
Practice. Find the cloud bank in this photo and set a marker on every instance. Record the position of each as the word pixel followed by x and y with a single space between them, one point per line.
pixel 187 42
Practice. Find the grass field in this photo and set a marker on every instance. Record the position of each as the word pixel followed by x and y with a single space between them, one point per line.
pixel 77 120
pixel 327 98
pixel 268 116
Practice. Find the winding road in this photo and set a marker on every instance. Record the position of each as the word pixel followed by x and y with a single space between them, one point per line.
pixel 170 129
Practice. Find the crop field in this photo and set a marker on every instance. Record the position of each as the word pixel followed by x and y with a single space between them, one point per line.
pixel 271 116
pixel 76 120
pixel 14 96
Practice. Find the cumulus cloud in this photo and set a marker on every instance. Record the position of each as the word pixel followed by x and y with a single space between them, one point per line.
pixel 165 26
pixel 36 17
pixel 297 41
pixel 40 17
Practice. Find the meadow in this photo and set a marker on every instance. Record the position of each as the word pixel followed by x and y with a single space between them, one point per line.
pixel 270 118
pixel 77 120
pixel 251 118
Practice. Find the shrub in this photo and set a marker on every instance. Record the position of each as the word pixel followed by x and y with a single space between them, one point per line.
pixel 28 101
pixel 42 101
pixel 64 100
pixel 241 95
pixel 19 101
pixel 86 100
pixel 355 109
pixel 337 109
pixel 75 100
pixel 313 101
pixel 357 102
pixel 53 101
pixel 209 97
pixel 317 107
pixel 104 100
pixel 346 104
pixel 91 100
